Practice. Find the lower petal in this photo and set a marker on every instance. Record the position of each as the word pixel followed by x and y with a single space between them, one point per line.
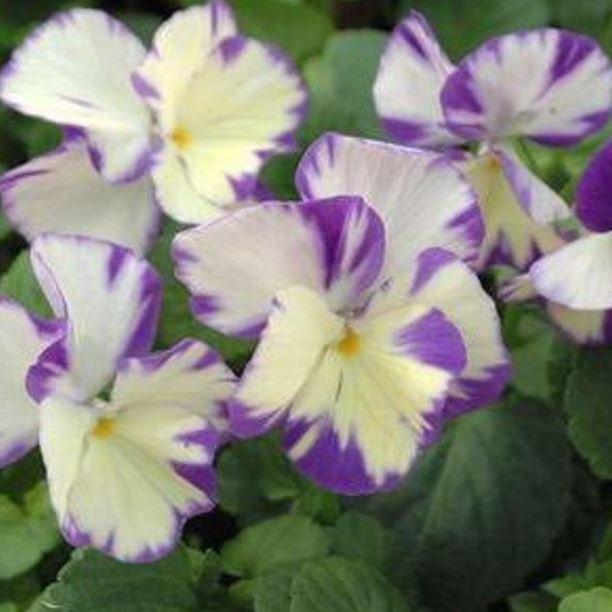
pixel 588 327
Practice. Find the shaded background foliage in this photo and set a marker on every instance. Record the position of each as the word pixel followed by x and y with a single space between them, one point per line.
pixel 509 512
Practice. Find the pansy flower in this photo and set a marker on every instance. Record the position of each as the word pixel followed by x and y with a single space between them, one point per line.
pixel 357 358
pixel 190 122
pixel 579 275
pixel 529 84
pixel 127 437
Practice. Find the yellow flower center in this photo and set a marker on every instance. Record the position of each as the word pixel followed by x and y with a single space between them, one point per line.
pixel 350 345
pixel 181 138
pixel 104 428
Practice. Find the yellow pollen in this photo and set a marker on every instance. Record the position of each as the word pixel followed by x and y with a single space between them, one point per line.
pixel 104 428
pixel 350 345
pixel 181 138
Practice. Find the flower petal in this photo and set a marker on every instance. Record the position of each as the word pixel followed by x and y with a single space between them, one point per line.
pixel 24 338
pixel 423 200
pixel 578 275
pixel 127 489
pixel 540 202
pixel 233 267
pixel 587 327
pixel 352 423
pixel 177 53
pixel 111 300
pixel 593 195
pixel 554 68
pixel 413 70
pixel 512 237
pixel 76 70
pixel 444 282
pixel 241 107
pixel 190 375
pixel 61 192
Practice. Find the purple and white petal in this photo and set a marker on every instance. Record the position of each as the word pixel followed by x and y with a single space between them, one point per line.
pixel 76 70
pixel 242 106
pixel 594 192
pixel 519 288
pixel 62 193
pixel 180 46
pixel 444 282
pixel 412 72
pixel 125 479
pixel 190 376
pixel 586 327
pixel 24 338
pixel 357 399
pixel 234 266
pixel 111 300
pixel 578 275
pixel 540 202
pixel 531 84
pixel 423 200
pixel 512 237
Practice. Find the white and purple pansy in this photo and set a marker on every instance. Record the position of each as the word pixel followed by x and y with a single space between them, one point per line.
pixel 127 436
pixel 424 100
pixel 185 126
pixel 579 275
pixel 358 362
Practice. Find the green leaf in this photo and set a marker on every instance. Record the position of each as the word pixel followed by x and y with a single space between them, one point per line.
pixel 272 591
pixel 358 536
pixel 587 401
pixel 597 600
pixel 341 83
pixel 177 321
pixel 532 602
pixel 301 30
pixel 142 24
pixel 94 583
pixel 481 510
pixel 343 586
pixel 20 284
pixel 594 575
pixel 261 547
pixel 5 228
pixel 26 533
pixel 464 24
pixel 587 16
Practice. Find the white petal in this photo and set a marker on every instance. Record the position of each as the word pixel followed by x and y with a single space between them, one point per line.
pixel 111 300
pixel 423 200
pixel 579 275
pixel 61 192
pixel 24 338
pixel 413 70
pixel 76 70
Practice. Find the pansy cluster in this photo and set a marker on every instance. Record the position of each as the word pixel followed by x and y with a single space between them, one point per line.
pixel 372 326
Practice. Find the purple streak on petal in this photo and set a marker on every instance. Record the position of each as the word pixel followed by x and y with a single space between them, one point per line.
pixel 430 262
pixel 244 423
pixel 16 452
pixel 592 124
pixel 571 50
pixel 118 259
pixel 324 147
pixel 54 362
pixel 594 192
pixel 231 48
pixel 405 131
pixel 434 340
pixel 144 89
pixel 469 394
pixel 333 467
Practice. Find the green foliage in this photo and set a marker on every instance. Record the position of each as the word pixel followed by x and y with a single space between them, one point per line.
pixel 484 505
pixel 21 284
pixel 597 600
pixel 587 402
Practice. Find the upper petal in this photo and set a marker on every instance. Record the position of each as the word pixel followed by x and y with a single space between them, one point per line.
pixel 24 338
pixel 111 300
pixel 412 72
pixel 76 70
pixel 445 283
pixel 61 192
pixel 553 70
pixel 578 275
pixel 125 481
pixel 243 105
pixel 594 193
pixel 180 46
pixel 234 266
pixel 423 200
